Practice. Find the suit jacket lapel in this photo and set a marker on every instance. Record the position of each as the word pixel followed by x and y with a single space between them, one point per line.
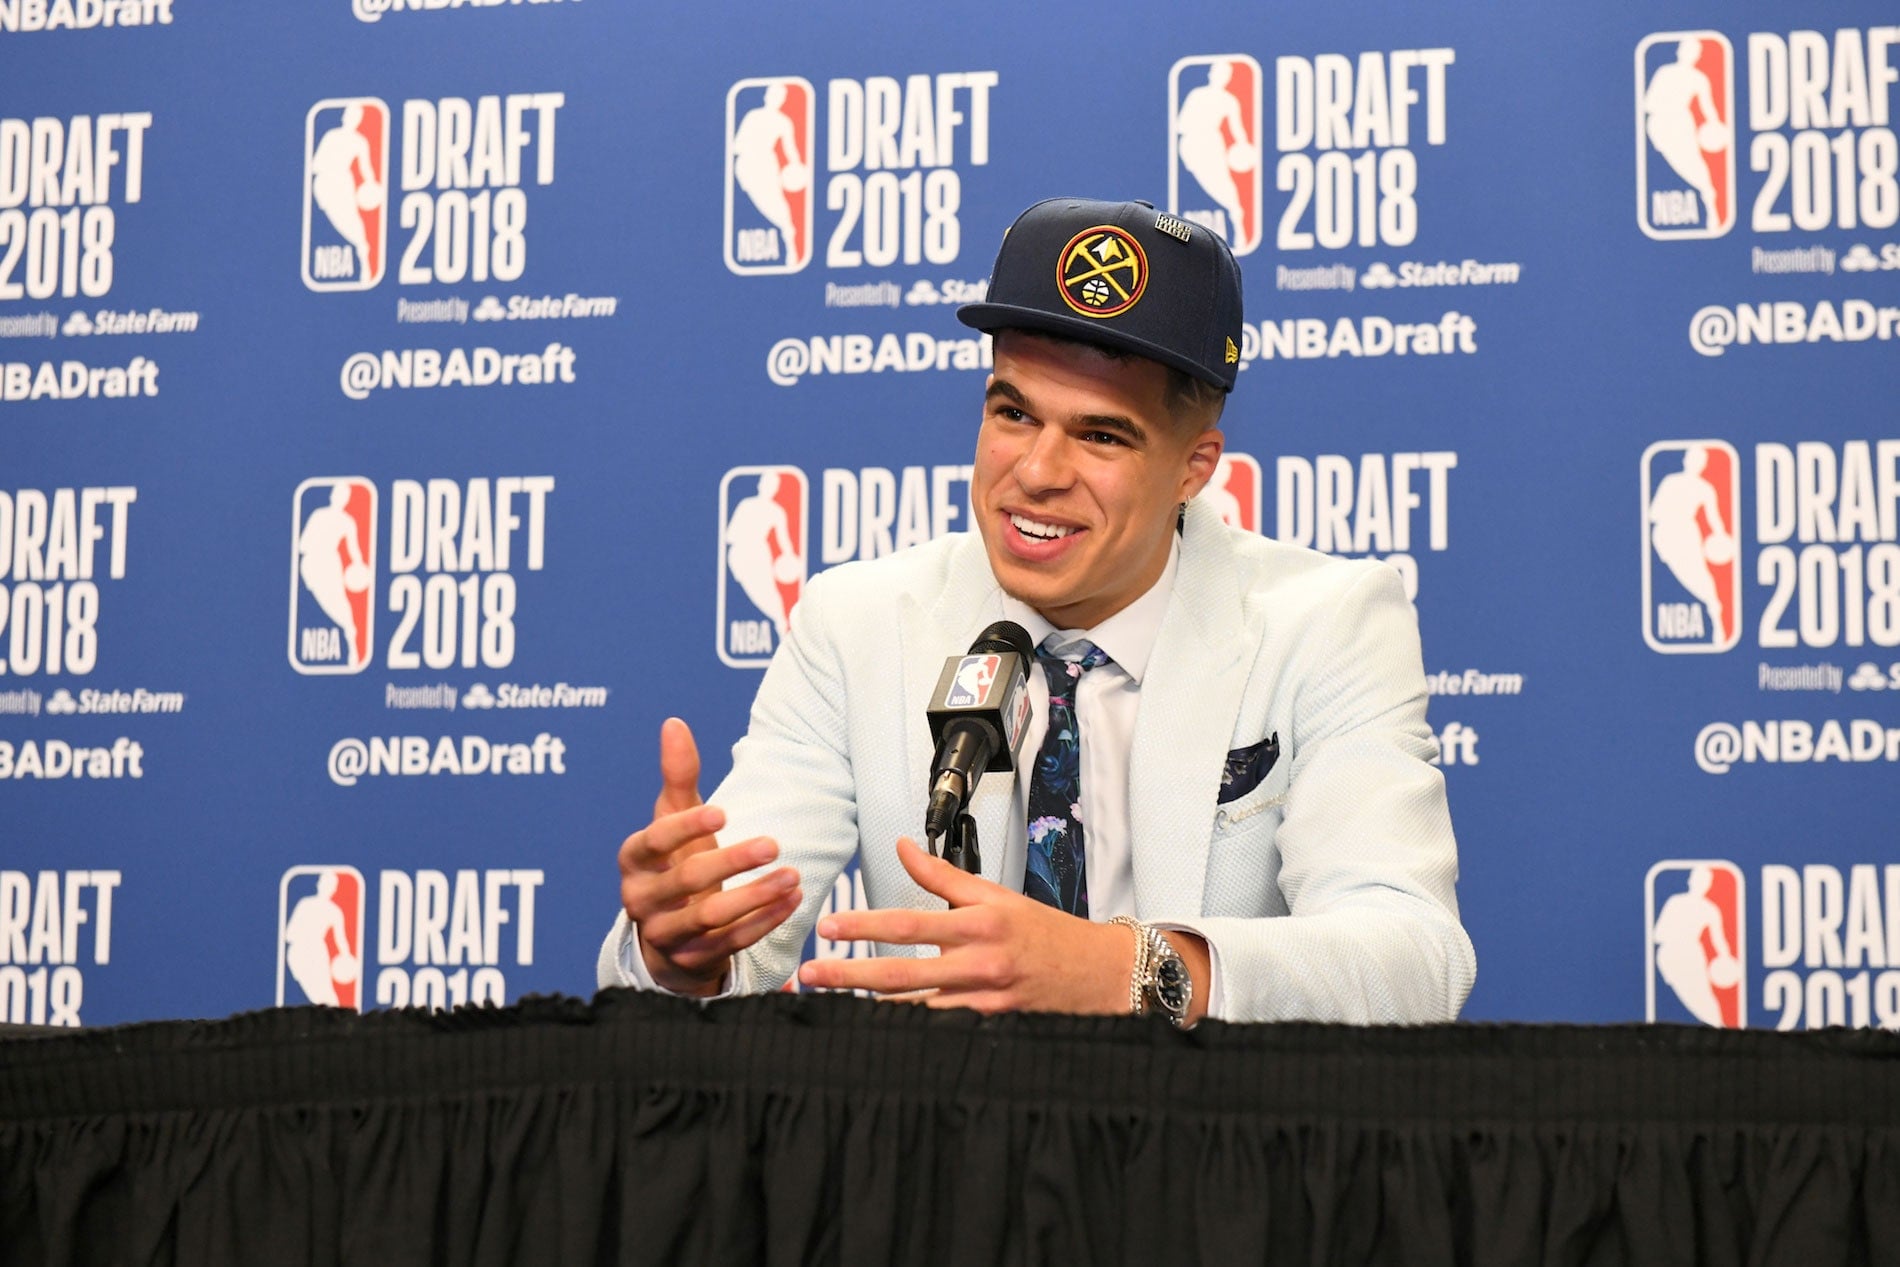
pixel 1190 699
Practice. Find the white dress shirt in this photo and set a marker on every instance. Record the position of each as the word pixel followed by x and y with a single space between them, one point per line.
pixel 1107 699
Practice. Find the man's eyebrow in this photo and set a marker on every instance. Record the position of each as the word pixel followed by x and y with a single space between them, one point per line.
pixel 1124 426
pixel 999 387
pixel 1118 423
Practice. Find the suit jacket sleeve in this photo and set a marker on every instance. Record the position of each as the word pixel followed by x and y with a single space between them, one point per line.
pixel 792 780
pixel 1355 833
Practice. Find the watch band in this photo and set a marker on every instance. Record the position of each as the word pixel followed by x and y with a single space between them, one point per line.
pixel 1168 988
pixel 1156 959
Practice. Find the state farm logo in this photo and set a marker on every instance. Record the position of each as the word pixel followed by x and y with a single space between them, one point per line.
pixel 320 937
pixel 769 130
pixel 1692 571
pixel 346 193
pixel 1685 135
pixel 1697 943
pixel 1214 137
pixel 1235 491
pixel 763 559
pixel 332 575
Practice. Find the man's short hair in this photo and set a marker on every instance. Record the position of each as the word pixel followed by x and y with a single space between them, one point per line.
pixel 1191 401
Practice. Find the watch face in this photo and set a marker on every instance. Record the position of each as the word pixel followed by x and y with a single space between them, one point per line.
pixel 1173 986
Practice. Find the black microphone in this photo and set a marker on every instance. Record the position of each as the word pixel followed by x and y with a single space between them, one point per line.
pixel 978 713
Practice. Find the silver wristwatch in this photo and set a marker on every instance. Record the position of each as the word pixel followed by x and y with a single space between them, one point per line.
pixel 1160 981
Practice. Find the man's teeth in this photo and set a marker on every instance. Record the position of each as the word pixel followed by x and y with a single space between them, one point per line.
pixel 1040 531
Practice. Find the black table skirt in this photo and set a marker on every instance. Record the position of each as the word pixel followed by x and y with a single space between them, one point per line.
pixel 811 1129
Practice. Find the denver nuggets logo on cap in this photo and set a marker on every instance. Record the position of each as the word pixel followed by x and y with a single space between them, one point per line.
pixel 1102 271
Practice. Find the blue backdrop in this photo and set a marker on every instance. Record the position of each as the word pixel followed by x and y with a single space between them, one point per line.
pixel 404 407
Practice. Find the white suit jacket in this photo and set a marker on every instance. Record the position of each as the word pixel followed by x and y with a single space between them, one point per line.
pixel 1327 892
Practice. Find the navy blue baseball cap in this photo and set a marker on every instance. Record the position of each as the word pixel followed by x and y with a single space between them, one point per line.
pixel 1121 275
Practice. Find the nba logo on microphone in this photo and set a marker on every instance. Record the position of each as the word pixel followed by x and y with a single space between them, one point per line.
pixel 320 937
pixel 1214 146
pixel 332 575
pixel 970 688
pixel 1235 491
pixel 1692 568
pixel 1685 135
pixel 1696 946
pixel 345 193
pixel 770 131
pixel 762 560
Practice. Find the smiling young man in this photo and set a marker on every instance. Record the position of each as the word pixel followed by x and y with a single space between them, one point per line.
pixel 1224 803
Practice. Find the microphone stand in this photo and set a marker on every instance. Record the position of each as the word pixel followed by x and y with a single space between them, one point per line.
pixel 960 849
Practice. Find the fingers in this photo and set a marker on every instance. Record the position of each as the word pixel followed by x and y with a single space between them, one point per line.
pixel 673 874
pixel 696 964
pixel 704 874
pixel 653 847
pixel 724 923
pixel 647 891
pixel 965 972
pixel 679 768
pixel 743 932
pixel 723 906
pixel 959 888
pixel 901 927
pixel 878 975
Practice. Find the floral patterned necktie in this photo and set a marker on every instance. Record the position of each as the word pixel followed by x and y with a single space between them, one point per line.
pixel 1056 870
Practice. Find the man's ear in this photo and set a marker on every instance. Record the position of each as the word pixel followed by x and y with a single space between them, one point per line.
pixel 1201 461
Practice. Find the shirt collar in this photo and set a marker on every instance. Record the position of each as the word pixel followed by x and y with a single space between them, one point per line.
pixel 1127 637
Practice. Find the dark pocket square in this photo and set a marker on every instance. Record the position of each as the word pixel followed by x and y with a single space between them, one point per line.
pixel 1246 767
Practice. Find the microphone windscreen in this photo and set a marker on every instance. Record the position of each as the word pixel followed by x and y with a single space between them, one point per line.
pixel 1004 635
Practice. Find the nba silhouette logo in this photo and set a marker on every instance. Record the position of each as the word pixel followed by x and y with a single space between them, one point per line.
pixel 1214 146
pixel 762 560
pixel 970 688
pixel 1692 568
pixel 1696 943
pixel 332 575
pixel 1235 491
pixel 1685 135
pixel 320 937
pixel 770 127
pixel 345 193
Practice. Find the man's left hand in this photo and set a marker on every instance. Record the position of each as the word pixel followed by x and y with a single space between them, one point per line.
pixel 1001 951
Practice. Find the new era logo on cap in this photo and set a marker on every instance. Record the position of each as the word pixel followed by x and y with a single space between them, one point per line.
pixel 1122 275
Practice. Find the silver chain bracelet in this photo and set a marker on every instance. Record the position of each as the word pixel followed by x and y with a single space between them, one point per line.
pixel 1138 979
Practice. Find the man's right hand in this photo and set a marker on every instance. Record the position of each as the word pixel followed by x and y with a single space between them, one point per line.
pixel 671 877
